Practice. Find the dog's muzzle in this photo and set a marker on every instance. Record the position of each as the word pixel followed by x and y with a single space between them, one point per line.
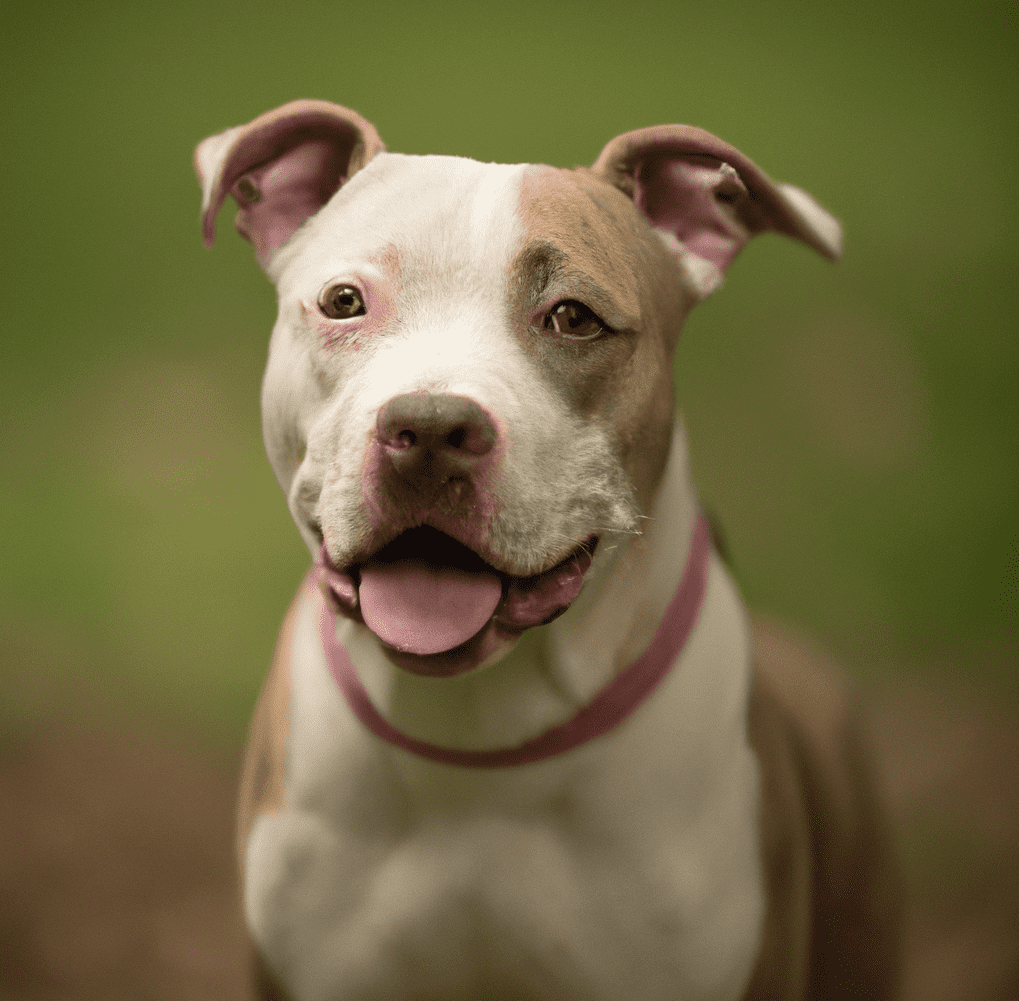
pixel 428 596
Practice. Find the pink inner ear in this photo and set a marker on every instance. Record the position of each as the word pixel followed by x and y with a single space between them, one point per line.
pixel 290 188
pixel 681 195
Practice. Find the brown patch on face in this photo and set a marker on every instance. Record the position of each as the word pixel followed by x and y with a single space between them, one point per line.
pixel 263 778
pixel 587 241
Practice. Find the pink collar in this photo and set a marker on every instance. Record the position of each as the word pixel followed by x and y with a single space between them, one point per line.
pixel 614 703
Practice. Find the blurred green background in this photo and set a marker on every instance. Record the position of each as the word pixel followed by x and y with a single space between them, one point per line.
pixel 854 428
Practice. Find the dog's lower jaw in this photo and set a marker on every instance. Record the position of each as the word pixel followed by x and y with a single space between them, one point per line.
pixel 439 610
pixel 486 647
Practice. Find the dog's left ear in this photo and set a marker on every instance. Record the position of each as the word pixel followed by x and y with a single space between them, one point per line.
pixel 708 199
pixel 282 168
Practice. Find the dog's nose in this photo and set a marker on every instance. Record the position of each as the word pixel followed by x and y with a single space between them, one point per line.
pixel 432 438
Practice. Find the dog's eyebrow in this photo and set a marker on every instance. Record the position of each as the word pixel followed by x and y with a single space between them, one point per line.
pixel 541 265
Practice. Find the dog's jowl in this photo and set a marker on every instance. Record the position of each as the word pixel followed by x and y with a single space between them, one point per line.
pixel 513 744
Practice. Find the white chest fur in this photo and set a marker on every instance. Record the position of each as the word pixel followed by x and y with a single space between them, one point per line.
pixel 629 867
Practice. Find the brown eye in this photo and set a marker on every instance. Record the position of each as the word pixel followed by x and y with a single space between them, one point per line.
pixel 574 319
pixel 341 302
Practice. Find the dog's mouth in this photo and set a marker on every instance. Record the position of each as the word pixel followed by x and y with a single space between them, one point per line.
pixel 439 608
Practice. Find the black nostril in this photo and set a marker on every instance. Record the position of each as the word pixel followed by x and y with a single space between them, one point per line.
pixel 432 438
pixel 435 421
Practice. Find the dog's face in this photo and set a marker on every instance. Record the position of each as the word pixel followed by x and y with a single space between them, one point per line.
pixel 469 381
pixel 539 295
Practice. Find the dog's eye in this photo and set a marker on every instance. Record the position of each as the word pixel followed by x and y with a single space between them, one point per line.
pixel 574 319
pixel 341 302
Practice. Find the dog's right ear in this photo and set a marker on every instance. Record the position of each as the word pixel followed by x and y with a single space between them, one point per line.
pixel 281 168
pixel 706 199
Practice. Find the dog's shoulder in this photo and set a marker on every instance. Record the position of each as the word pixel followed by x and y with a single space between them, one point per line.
pixel 826 847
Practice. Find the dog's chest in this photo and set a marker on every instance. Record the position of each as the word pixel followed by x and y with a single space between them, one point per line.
pixel 492 909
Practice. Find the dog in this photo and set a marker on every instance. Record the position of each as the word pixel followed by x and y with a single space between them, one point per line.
pixel 513 743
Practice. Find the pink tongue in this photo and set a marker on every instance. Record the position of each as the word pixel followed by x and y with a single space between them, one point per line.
pixel 421 608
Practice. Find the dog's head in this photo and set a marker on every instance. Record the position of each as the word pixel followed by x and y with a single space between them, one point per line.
pixel 469 381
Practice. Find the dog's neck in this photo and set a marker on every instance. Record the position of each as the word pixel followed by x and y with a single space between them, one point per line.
pixel 555 670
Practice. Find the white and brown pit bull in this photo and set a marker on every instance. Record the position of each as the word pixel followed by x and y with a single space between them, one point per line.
pixel 513 744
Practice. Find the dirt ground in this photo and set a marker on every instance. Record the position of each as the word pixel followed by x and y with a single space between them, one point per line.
pixel 117 874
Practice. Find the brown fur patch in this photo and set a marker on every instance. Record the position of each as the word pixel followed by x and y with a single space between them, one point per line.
pixel 586 240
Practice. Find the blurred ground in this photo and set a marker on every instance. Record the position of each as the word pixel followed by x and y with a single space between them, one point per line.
pixel 117 872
